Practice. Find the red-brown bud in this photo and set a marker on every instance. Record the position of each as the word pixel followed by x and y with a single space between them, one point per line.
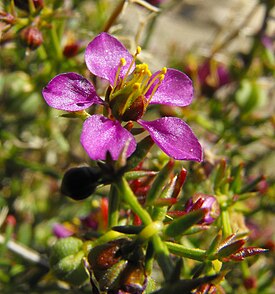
pixel 135 111
pixel 71 49
pixel 31 37
pixel 7 18
pixel 250 283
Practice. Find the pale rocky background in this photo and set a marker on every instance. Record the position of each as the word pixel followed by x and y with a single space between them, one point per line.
pixel 197 23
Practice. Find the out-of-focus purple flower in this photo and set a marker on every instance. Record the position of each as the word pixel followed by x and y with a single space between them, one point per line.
pixel 90 221
pixel 97 219
pixel 132 89
pixel 219 75
pixel 155 2
pixel 267 42
pixel 60 231
pixel 211 76
pixel 208 202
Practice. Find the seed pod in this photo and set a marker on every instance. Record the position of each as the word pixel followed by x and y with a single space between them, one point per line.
pixel 135 111
pixel 106 263
pixel 133 278
pixel 117 266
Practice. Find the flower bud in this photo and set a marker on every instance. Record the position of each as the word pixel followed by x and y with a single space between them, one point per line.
pixel 80 182
pixel 24 4
pixel 207 202
pixel 31 37
pixel 7 18
pixel 66 261
pixel 71 49
pixel 250 283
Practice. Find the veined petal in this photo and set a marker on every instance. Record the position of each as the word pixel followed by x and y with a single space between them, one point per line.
pixel 103 56
pixel 176 89
pixel 174 137
pixel 100 134
pixel 70 92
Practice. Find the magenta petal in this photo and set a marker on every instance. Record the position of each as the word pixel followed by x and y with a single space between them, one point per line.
pixel 176 89
pixel 100 134
pixel 70 92
pixel 103 57
pixel 61 231
pixel 174 137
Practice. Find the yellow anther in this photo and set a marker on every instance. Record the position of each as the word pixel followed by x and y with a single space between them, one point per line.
pixel 148 72
pixel 136 86
pixel 145 66
pixel 122 61
pixel 138 50
pixel 164 70
pixel 158 79
pixel 141 67
pixel 161 78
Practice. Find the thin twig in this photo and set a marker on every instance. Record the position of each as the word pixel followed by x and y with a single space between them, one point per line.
pixel 235 33
pixel 114 15
pixel 25 252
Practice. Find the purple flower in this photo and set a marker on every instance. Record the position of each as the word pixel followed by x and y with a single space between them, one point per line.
pixel 267 42
pixel 132 89
pixel 60 231
pixel 208 202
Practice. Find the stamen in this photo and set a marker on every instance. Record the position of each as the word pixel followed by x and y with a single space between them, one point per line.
pixel 139 74
pixel 121 64
pixel 159 76
pixel 138 50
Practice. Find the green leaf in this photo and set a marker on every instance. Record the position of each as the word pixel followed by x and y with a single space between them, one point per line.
pixel 160 182
pixel 143 147
pixel 180 250
pixel 181 224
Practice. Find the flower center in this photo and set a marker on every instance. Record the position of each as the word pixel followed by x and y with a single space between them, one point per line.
pixel 127 97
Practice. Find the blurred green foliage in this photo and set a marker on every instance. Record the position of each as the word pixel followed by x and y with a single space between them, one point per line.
pixel 234 122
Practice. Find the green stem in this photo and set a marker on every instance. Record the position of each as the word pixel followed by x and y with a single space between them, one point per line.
pixel 192 253
pixel 107 237
pixel 56 43
pixel 163 259
pixel 160 248
pixel 128 196
pixel 24 252
pixel 113 211
pixel 114 16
